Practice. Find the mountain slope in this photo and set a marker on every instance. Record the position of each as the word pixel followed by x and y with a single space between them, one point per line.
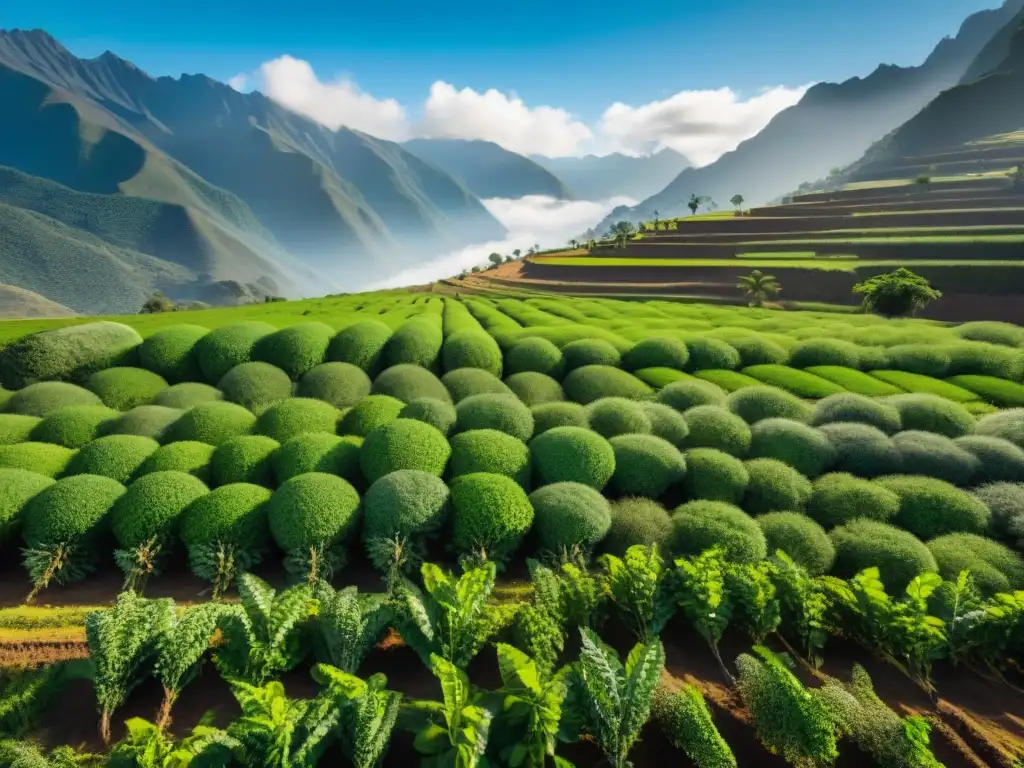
pixel 831 126
pixel 488 170
pixel 603 177
pixel 17 302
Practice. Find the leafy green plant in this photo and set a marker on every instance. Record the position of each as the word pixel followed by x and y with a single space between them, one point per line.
pixel 275 731
pixel 261 636
pixel 148 745
pixel 755 598
pixel 368 713
pixel 540 624
pixel 451 733
pixel 638 585
pixel 791 720
pixel 702 594
pixel 348 624
pixel 610 700
pixel 803 606
pixel 686 721
pixel 896 293
pixel 121 642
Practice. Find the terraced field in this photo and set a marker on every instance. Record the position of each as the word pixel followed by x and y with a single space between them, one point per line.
pixel 771 509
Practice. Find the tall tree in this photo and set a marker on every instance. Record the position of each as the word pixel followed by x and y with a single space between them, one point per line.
pixel 759 287
pixel 495 258
pixel 696 201
pixel 896 293
pixel 516 253
pixel 621 231
pixel 737 201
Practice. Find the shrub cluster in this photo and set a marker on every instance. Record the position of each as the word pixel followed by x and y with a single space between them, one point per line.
pixel 403 444
pixel 537 355
pixel 471 349
pixel 151 508
pixel 210 423
pixel 186 456
pixel 857 409
pixel 361 344
pixel 297 416
pixel 931 507
pixel 15 428
pixel 569 517
pixel 491 516
pixel 42 399
pixel 74 425
pixel 146 421
pixel 712 426
pixel 572 454
pixel 295 349
pixel 667 423
pixel 20 487
pixel 551 415
pixel 227 525
pixel 931 413
pixel 801 538
pixel 69 353
pixel 256 386
pixel 312 511
pixel 774 487
pixel 592 382
pixel 931 455
pixel 804 448
pixel 466 382
pixel 417 342
pixel 504 413
pixel 700 525
pixel 611 416
pixel 590 352
pixel 125 388
pixel 994 566
pixel 646 465
pixel 171 352
pixel 535 388
pixel 657 352
pixel 707 353
pixel 369 413
pixel 636 520
pixel 187 394
pixel 754 404
pixel 488 450
pixel 116 456
pixel 898 555
pixel 437 413
pixel 318 452
pixel 861 449
pixel 715 476
pixel 837 498
pixel 223 348
pixel 402 506
pixel 244 459
pixel 339 384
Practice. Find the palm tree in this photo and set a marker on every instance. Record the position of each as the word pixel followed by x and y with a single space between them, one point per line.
pixel 737 201
pixel 759 287
pixel 656 218
pixel 574 243
pixel 695 202
pixel 621 231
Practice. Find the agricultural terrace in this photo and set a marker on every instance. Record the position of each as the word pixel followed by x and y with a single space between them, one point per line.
pixel 422 529
pixel 955 217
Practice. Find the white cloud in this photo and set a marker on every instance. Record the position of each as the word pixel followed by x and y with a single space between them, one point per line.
pixel 530 220
pixel 239 81
pixel 504 119
pixel 293 83
pixel 703 125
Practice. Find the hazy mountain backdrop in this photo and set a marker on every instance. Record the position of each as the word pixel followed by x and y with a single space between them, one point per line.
pixel 596 177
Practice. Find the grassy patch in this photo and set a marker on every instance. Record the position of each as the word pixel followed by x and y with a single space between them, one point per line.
pixel 916 382
pixel 798 382
pixel 855 381
pixel 730 381
pixel 660 377
pixel 1008 394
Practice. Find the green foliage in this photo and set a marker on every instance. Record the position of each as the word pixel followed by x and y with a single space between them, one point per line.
pixel 715 476
pixel 646 465
pixel 72 352
pixel 504 413
pixel 471 349
pixel 931 507
pixel 931 455
pixel 368 713
pixel 400 511
pixel 223 348
pixel 488 450
pixel 923 359
pixel 931 413
pixel 15 428
pixel 537 355
pixel 403 444
pixel 1006 504
pixel 708 353
pixel 550 415
pixel 534 388
pixel 210 423
pixel 667 423
pixel 860 409
pixel 370 413
pixel 73 426
pixel 295 349
pixel 256 386
pixel 125 388
pixel 146 745
pixel 639 585
pixel 793 380
pixel 1008 424
pixel 44 398
pixel 774 486
pixel 592 382
pixel 245 459
pixel 116 456
pixel 407 382
pixel 362 345
pixel 825 352
pixel 758 350
pixel 900 292
pixel 754 404
pixel 791 720
pixel 803 604
pixel 275 731
pixel 46 459
pixel 437 413
pixel 572 454
pixel 855 382
pixel 861 449
pixel 466 382
pixel 800 538
pixel 317 452
pixel 569 518
pixel 170 352
pixel 712 426
pixel 700 590
pixel 700 525
pixel 297 416
pixel 491 515
pixel 686 721
pixel 348 625
pixel 145 421
pixel 1007 394
pixel 590 352
pixel 837 498
pixel 898 555
pixel 657 352
pixel 611 416
pixel 636 521
pixel 417 342
pixel 993 566
pixel 20 487
pixel 613 700
pixel 804 448
pixel 976 359
pixel 186 456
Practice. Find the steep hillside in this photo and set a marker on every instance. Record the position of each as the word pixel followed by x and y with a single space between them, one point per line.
pixel 831 126
pixel 488 170
pixel 17 302
pixel 603 177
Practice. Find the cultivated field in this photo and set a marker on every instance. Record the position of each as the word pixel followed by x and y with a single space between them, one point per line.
pixel 493 529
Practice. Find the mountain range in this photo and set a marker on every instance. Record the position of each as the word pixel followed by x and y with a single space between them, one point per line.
pixel 603 177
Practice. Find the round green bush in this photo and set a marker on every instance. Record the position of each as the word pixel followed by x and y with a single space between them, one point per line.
pixel 44 398
pixel 861 449
pixel 804 448
pixel 502 412
pixel 550 415
pixel 340 384
pixel 210 423
pixel 15 428
pixel 712 426
pixel 369 413
pixel 244 459
pixel 535 388
pixel 572 454
pixel 931 413
pixel 1008 424
pixel 417 342
pixel 801 538
pixel 569 517
pixel 403 444
pixel 537 355
pixel 69 511
pixel 1006 334
pixel 187 394
pixel 838 497
pixel 590 352
pixel 73 426
pixel 899 556
pixel 592 382
pixel 223 348
pixel 667 423
pixel 754 404
pixel 856 409
pixel 825 352
pixel 231 519
pixel 318 452
pixel 488 450
pixel 1005 502
pixel 361 345
pixel 657 352
pixel 931 507
pixel 126 388
pixel 72 352
pixel 171 352
pixel 997 460
pixel 977 358
pixel 931 455
pixel 152 507
pixel 186 456
pixel 994 566
pixel 757 350
pixel 146 421
pixel 466 382
pixel 689 393
pixel 471 349
pixel 611 416
pixel 697 526
pixel 636 520
pixel 403 504
pixel 715 476
pixel 437 413
pixel 115 456
pixel 407 382
pixel 295 349
pixel 923 359
pixel 20 487
pixel 646 465
pixel 256 386
pixel 774 487
pixel 491 515
pixel 312 510
pixel 708 353
pixel 297 416
pixel 44 458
